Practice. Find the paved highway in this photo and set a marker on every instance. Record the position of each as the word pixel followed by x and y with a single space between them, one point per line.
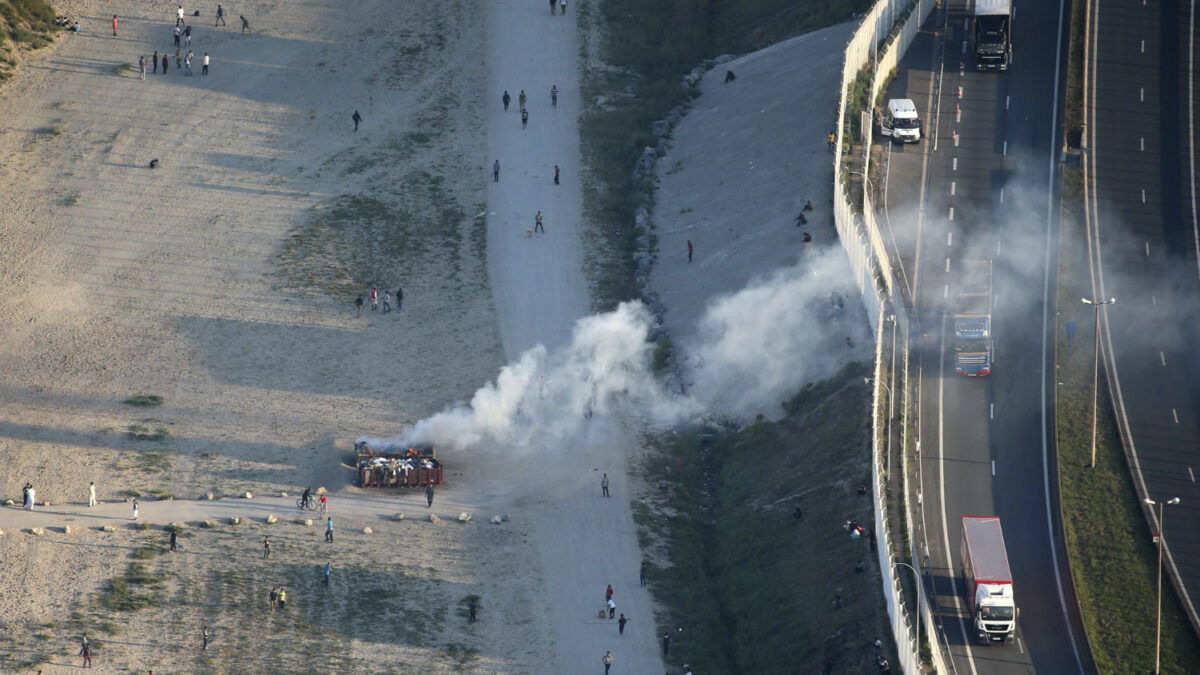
pixel 1142 161
pixel 989 191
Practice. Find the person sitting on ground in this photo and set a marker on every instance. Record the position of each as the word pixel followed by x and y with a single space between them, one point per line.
pixel 729 76
pixel 154 163
pixel 807 206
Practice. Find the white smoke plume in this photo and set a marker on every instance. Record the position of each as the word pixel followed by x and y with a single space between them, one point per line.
pixel 753 349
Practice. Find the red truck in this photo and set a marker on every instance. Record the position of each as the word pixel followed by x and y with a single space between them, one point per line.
pixel 988 579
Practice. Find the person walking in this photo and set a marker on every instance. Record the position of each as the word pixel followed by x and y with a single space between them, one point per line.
pixel 612 609
pixel 220 17
pixel 553 4
pixel 178 58
pixel 562 7
pixel 506 99
pixel 374 299
pixel 357 119
pixel 86 652
pixel 608 660
pixel 521 98
pixel 537 223
pixel 178 34
pixel 282 599
pixel 642 573
pixel 666 644
pixel 174 539
pixel 328 571
pixel 187 64
pixel 92 493
pixel 30 496
pixel 554 96
pixel 245 23
pixel 621 625
pixel 608 592
pixel 141 67
pixel 471 609
pixel 524 118
pixel 496 171
pixel 556 174
pixel 329 530
pixel 204 70
pixel 387 302
pixel 114 35
pixel 604 490
pixel 179 16
pixel 429 496
pixel 154 63
pixel 399 298
pixel 166 63
pixel 266 546
pixel 273 599
pixel 187 36
pixel 135 509
pixel 689 250
pixel 83 644
pixel 358 303
pixel 204 646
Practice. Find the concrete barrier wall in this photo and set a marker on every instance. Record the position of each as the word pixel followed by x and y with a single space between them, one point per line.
pixel 868 253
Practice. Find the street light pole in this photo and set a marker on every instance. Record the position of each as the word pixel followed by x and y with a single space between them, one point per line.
pixel 917 579
pixel 1096 366
pixel 1162 533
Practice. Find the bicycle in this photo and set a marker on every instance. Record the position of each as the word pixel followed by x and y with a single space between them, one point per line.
pixel 306 504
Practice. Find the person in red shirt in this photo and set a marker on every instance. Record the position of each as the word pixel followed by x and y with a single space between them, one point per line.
pixel 114 25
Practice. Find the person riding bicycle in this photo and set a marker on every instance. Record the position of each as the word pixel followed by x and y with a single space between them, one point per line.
pixel 306 497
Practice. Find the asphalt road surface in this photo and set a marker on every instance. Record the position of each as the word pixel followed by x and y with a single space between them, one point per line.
pixel 1142 159
pixel 988 193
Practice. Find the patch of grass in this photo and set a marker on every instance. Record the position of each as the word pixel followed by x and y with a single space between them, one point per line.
pixel 131 494
pixel 121 69
pixel 460 654
pixel 145 553
pixel 731 565
pixel 147 430
pixel 145 400
pixel 132 591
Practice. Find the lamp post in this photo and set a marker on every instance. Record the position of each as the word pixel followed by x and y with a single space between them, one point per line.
pixel 917 579
pixel 1096 304
pixel 1162 531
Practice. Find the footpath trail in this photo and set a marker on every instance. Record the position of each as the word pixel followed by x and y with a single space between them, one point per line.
pixel 585 540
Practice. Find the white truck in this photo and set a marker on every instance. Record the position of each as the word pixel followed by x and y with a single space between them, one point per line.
pixel 900 122
pixel 988 580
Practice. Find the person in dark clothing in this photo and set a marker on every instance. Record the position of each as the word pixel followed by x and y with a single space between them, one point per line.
pixel 807 206
pixel 496 171
pixel 399 298
pixel 220 17
pixel 174 537
pixel 154 62
pixel 553 4
pixel 204 646
pixel 689 250
pixel 524 118
pixel 358 303
pixel 556 174
pixel 554 96
pixel 245 23
pixel 506 99
pixel 801 220
pixel 807 239
pixel 798 514
pixel 328 571
pixel 642 574
pixel 621 624
pixel 729 76
pixel 429 495
pixel 666 644
pixel 87 656
pixel 471 608
pixel 166 63
pixel 357 118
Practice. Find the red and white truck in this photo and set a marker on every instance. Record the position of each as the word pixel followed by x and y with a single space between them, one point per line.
pixel 988 580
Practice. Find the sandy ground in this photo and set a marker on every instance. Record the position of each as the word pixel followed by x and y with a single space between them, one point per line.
pixel 223 280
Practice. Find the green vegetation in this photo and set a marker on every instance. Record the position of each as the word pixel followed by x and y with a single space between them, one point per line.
pixel 1113 558
pixel 147 400
pixel 135 589
pixel 27 24
pixel 753 588
pixel 150 429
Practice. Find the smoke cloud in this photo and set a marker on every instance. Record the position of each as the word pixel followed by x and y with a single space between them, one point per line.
pixel 751 350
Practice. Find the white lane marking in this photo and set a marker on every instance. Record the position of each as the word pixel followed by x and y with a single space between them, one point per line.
pixel 1006 103
pixel 949 238
pixel 964 47
pixel 992 411
pixel 1147 249
pixel 1163 358
pixel 1142 94
pixel 945 291
pixel 1001 195
pixel 1154 300
pixel 1005 150
pixel 1143 140
pixel 1020 646
pixel 1143 46
pixel 1143 195
pixel 951 213
pixel 953 188
pixel 1175 415
pixel 997 249
pixel 993 467
pixel 954 164
pixel 947 265
pixel 1191 475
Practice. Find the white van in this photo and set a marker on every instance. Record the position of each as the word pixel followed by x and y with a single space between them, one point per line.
pixel 900 121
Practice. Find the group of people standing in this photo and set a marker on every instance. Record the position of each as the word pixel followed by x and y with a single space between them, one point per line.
pixel 522 99
pixel 387 301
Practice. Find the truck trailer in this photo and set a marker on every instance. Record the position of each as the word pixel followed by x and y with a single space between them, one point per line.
pixel 988 580
pixel 383 464
pixel 974 349
pixel 993 25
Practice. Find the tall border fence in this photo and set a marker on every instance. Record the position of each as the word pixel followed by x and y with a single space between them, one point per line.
pixel 884 35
